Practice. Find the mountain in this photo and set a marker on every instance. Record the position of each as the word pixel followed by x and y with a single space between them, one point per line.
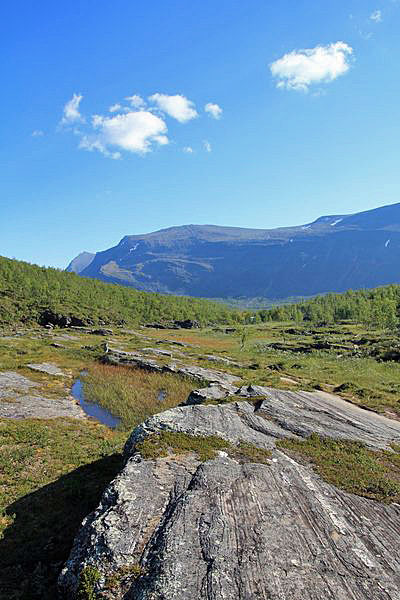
pixel 80 262
pixel 332 254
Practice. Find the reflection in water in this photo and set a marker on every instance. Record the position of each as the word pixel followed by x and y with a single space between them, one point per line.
pixel 93 410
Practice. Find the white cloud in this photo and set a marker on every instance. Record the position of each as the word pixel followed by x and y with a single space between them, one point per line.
pixel 213 110
pixel 207 146
pixel 71 112
pixel 134 132
pixel 37 133
pixel 115 107
pixel 136 101
pixel 188 150
pixel 376 16
pixel 300 69
pixel 178 107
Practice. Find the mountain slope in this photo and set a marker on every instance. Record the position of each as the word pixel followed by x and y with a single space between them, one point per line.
pixel 80 262
pixel 28 294
pixel 333 253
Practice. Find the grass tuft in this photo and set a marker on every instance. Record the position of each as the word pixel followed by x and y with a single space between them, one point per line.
pixel 351 466
pixel 163 444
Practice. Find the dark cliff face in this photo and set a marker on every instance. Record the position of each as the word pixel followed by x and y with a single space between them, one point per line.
pixel 334 253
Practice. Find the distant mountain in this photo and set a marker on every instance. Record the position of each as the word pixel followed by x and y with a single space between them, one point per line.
pixel 332 254
pixel 79 263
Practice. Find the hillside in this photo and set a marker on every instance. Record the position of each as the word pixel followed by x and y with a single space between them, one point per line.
pixel 26 291
pixel 332 254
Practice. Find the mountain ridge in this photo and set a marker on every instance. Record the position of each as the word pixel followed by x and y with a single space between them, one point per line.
pixel 331 254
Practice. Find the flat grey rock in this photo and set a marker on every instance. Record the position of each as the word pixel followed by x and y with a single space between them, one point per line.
pixel 47 368
pixel 18 400
pixel 138 360
pixel 38 407
pixel 157 351
pixel 303 413
pixel 221 530
pixel 12 384
pixel 221 359
pixel 65 336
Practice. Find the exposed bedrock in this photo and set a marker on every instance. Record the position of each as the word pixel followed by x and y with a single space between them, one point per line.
pixel 174 528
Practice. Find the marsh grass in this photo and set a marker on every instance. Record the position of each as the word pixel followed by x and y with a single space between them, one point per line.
pixel 134 394
pixel 351 466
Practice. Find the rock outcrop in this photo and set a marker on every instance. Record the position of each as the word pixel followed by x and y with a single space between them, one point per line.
pixel 175 528
pixel 136 359
pixel 19 400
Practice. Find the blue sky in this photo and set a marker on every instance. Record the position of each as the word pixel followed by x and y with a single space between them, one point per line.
pixel 304 117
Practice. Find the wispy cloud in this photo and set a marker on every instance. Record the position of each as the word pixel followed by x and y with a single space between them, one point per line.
pixel 37 133
pixel 300 69
pixel 376 16
pixel 71 112
pixel 188 150
pixel 178 107
pixel 136 101
pixel 207 146
pixel 214 110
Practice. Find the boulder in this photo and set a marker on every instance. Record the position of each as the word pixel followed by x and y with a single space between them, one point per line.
pixel 187 324
pixel 175 528
pixel 214 392
pixel 101 331
pixel 49 317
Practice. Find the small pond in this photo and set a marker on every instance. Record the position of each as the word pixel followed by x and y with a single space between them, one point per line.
pixel 92 409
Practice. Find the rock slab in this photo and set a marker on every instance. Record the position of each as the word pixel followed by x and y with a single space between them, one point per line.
pixel 221 530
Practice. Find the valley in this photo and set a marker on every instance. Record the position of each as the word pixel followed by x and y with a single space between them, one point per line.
pixel 55 465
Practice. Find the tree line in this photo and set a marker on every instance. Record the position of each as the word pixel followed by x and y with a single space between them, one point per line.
pixel 27 290
pixel 377 308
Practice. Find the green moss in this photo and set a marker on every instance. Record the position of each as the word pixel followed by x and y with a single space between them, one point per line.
pixel 87 582
pixel 130 572
pixel 205 447
pixel 167 442
pixel 249 453
pixel 351 466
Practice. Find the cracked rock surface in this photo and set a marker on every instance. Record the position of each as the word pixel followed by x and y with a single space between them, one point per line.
pixel 177 366
pixel 19 400
pixel 220 530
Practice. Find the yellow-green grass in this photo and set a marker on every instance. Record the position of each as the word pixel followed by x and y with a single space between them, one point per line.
pixel 351 466
pixel 369 383
pixel 134 394
pixel 52 474
pixel 205 448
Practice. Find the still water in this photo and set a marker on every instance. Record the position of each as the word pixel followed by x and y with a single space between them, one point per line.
pixel 92 409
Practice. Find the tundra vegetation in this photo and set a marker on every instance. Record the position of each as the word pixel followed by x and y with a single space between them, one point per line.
pixel 53 471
